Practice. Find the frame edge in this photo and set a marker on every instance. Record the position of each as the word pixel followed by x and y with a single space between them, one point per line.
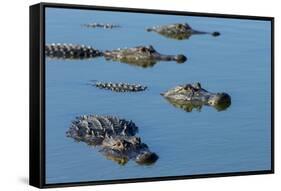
pixel 35 162
pixel 37 87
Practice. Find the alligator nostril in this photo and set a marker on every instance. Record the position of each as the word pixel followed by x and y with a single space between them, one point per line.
pixel 211 102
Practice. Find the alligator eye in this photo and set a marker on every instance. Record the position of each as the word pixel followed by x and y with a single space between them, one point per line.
pixel 180 26
pixel 187 87
pixel 198 85
pixel 136 140
pixel 143 49
pixel 211 102
pixel 150 47
pixel 118 144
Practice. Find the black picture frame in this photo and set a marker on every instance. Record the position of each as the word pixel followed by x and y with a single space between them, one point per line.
pixel 37 94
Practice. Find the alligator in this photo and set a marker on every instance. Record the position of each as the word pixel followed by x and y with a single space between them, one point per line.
pixel 142 56
pixel 115 137
pixel 189 96
pixel 119 87
pixel 70 51
pixel 101 25
pixel 178 31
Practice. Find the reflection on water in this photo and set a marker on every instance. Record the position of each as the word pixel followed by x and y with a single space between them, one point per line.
pixel 237 62
pixel 143 63
pixel 189 106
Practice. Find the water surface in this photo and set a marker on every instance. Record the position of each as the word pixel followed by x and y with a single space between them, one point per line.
pixel 197 142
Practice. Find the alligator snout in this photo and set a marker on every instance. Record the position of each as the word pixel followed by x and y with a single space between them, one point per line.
pixel 180 58
pixel 147 158
pixel 149 29
pixel 220 101
pixel 216 33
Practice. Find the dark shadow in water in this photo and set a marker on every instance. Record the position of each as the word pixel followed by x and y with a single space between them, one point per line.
pixel 189 106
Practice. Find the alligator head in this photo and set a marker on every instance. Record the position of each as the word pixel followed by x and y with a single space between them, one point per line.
pixel 114 136
pixel 191 96
pixel 123 148
pixel 178 31
pixel 143 56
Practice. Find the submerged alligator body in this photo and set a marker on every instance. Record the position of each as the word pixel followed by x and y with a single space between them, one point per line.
pixel 143 56
pixel 70 51
pixel 101 25
pixel 116 138
pixel 178 31
pixel 191 96
pixel 119 87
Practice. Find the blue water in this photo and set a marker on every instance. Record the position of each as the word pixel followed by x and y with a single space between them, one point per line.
pixel 197 142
